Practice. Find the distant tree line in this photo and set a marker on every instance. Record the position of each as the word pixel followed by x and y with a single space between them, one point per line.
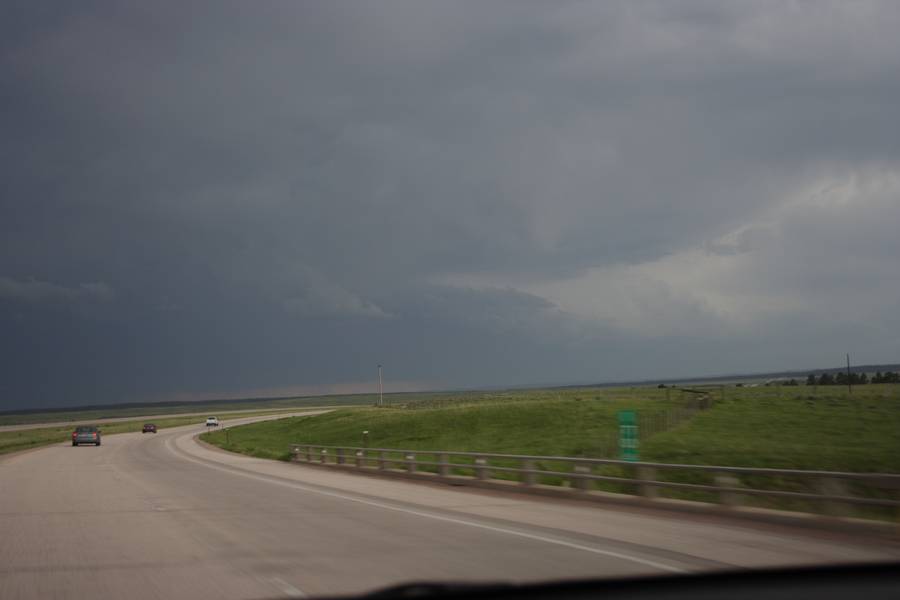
pixel 889 377
pixel 841 378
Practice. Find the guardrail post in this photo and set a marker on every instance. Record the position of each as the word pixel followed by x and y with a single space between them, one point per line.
pixel 529 477
pixel 728 498
pixel 831 493
pixel 481 470
pixel 891 485
pixel 577 481
pixel 833 486
pixel 647 474
pixel 896 488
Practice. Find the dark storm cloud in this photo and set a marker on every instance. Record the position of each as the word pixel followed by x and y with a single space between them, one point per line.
pixel 239 196
pixel 42 291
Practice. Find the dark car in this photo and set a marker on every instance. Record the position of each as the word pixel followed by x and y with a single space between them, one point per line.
pixel 86 434
pixel 149 428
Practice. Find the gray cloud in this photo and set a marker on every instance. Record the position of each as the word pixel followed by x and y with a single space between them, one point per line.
pixel 32 290
pixel 323 300
pixel 477 193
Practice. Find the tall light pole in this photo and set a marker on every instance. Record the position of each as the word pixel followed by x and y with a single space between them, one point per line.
pixel 380 388
pixel 849 385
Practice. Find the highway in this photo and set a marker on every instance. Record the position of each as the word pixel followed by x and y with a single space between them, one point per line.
pixel 162 516
pixel 223 414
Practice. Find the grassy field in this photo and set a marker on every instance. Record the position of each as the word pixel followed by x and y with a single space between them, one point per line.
pixel 406 399
pixel 783 427
pixel 831 431
pixel 113 412
pixel 13 441
pixel 569 424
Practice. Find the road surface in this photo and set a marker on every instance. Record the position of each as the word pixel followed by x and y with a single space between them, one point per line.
pixel 223 414
pixel 160 516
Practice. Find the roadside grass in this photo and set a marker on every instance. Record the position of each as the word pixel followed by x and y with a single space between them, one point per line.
pixel 114 412
pixel 784 427
pixel 13 441
pixel 832 431
pixel 402 399
pixel 778 427
pixel 552 424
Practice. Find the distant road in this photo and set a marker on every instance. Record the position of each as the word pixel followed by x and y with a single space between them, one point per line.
pixel 151 418
pixel 161 516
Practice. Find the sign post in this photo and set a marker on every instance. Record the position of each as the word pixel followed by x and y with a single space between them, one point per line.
pixel 628 435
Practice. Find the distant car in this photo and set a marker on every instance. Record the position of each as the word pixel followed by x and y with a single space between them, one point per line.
pixel 86 434
pixel 212 422
pixel 149 428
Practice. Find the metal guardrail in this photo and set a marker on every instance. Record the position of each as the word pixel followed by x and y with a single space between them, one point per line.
pixel 833 493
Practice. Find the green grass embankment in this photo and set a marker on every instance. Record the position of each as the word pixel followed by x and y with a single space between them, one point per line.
pixel 555 427
pixel 831 431
pixel 757 427
pixel 785 427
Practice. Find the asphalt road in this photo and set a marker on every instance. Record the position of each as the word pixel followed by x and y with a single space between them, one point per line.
pixel 223 414
pixel 160 516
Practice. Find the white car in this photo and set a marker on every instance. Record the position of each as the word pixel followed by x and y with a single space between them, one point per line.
pixel 212 422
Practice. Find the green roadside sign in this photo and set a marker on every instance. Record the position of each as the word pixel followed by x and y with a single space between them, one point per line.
pixel 628 435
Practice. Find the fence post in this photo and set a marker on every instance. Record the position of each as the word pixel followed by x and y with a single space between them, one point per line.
pixel 359 458
pixel 833 486
pixel 727 498
pixel 411 463
pixel 382 460
pixel 645 473
pixel 528 475
pixel 309 454
pixel 443 465
pixel 481 470
pixel 340 456
pixel 323 455
pixel 577 481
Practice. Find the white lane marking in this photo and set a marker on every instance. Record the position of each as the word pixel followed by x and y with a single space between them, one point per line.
pixel 288 589
pixel 514 532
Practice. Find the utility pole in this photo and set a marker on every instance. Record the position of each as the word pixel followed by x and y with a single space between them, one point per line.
pixel 849 386
pixel 381 388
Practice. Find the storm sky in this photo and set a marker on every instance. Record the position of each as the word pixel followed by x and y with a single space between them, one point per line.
pixel 210 199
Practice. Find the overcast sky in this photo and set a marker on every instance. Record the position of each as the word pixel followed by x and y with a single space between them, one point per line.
pixel 210 199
